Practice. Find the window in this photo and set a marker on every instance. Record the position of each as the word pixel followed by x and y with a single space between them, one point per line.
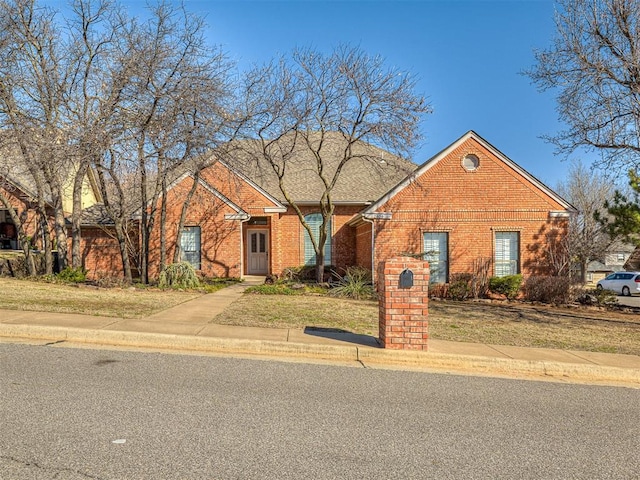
pixel 435 247
pixel 470 162
pixel 190 246
pixel 314 220
pixel 507 253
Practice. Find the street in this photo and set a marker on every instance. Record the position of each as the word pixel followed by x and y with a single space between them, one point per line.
pixel 72 414
pixel 629 301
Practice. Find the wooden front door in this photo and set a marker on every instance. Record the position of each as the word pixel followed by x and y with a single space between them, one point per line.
pixel 258 252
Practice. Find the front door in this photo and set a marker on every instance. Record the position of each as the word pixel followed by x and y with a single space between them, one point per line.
pixel 258 252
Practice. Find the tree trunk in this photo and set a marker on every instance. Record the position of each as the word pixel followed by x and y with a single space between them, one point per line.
pixel 122 244
pixel 583 271
pixel 163 226
pixel 46 237
pixel 60 228
pixel 183 217
pixel 76 215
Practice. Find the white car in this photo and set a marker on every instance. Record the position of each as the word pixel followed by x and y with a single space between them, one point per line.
pixel 625 283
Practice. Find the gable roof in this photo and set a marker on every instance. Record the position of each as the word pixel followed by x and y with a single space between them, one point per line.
pixel 443 153
pixel 368 174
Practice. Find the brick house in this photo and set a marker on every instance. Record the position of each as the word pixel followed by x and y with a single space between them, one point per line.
pixel 468 203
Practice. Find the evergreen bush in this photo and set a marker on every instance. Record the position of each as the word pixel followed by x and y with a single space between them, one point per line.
pixel 508 285
pixel 178 275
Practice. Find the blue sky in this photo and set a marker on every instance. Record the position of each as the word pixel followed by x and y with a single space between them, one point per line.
pixel 467 55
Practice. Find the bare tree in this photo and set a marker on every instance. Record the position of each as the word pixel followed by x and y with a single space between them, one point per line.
pixel 594 65
pixel 32 85
pixel 327 107
pixel 177 107
pixel 587 238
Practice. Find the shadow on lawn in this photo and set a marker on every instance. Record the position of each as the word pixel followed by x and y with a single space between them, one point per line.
pixel 342 335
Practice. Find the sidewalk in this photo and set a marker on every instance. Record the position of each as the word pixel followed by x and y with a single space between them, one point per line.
pixel 187 327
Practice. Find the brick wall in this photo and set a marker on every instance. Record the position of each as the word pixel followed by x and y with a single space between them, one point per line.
pixel 470 206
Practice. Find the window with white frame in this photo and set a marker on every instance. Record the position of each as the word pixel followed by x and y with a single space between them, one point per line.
pixel 436 252
pixel 190 246
pixel 314 220
pixel 507 257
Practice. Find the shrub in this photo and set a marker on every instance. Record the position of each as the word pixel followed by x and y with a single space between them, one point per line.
pixel 72 275
pixel 547 289
pixel 599 297
pixel 460 287
pixel 178 275
pixel 508 286
pixel 355 283
pixel 438 290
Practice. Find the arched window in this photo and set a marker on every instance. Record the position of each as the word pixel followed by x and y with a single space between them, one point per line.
pixel 314 220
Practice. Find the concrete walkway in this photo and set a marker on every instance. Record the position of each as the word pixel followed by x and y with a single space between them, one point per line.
pixel 190 327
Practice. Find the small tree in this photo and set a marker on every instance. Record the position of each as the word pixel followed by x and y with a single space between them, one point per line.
pixel 623 210
pixel 587 238
pixel 327 107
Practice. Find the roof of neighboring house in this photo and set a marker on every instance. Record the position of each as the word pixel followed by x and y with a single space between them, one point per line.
pixel 14 172
pixel 633 262
pixel 596 266
pixel 367 174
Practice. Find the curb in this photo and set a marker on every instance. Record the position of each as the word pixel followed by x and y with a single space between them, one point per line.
pixel 367 356
pixel 504 367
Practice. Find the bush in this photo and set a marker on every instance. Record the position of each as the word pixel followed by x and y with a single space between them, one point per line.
pixel 178 275
pixel 508 286
pixel 355 283
pixel 72 275
pixel 460 287
pixel 598 296
pixel 547 289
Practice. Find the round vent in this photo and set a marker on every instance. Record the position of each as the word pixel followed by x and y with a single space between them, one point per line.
pixel 470 162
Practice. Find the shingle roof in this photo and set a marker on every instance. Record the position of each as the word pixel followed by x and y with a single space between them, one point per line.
pixel 365 177
pixel 15 172
pixel 95 215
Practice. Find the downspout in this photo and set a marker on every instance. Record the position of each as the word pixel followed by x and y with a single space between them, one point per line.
pixel 242 220
pixel 373 248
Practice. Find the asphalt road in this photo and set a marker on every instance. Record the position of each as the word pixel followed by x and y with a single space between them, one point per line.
pixel 630 301
pixel 77 414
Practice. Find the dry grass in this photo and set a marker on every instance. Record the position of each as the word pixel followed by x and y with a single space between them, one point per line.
pixel 108 302
pixel 499 324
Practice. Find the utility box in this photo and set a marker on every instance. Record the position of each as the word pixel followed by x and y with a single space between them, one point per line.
pixel 403 288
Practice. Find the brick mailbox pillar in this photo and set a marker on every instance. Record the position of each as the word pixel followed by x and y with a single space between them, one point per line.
pixel 403 285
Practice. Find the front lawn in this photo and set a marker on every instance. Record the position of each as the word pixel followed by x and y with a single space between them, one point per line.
pixel 479 322
pixel 18 294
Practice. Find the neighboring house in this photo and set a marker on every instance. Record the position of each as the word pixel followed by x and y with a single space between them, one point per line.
pixel 614 261
pixel 469 204
pixel 22 201
pixel 18 186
